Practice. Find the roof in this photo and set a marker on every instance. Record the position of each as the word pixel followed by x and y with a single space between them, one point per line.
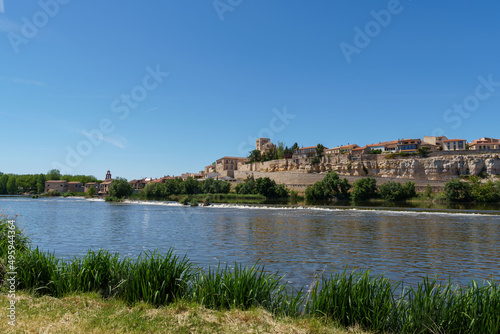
pixel 450 140
pixel 234 158
pixel 74 182
pixel 57 181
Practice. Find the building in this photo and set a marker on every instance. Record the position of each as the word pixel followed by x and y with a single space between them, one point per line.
pixel 485 143
pixel 209 169
pixel 361 150
pixel 264 145
pixel 104 186
pixel 138 184
pixel 341 149
pixel 75 187
pixel 305 152
pixel 56 185
pixel 91 184
pixel 228 164
pixel 435 140
pixel 408 145
pixel 454 144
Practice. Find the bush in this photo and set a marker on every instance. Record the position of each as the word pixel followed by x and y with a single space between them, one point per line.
pixel 364 189
pixel 120 188
pixel 90 192
pixel 263 186
pixel 329 188
pixel 395 191
pixel 484 192
pixel 458 191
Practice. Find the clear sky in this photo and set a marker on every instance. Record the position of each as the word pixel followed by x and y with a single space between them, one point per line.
pixel 155 88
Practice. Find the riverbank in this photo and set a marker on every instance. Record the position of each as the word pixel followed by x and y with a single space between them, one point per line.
pixel 90 313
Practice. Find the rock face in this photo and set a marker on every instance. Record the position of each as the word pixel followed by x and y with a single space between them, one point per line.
pixel 441 168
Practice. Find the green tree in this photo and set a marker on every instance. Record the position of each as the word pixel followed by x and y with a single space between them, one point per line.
pixel 3 184
pixel 149 190
pixel 120 188
pixel 54 174
pixel 12 185
pixel 320 149
pixel 255 156
pixel 395 191
pixel 457 191
pixel 40 183
pixel 328 188
pixel 364 189
pixel 91 192
pixel 268 188
pixel 424 152
pixel 190 186
pixel 483 192
pixel 281 150
pixel 428 191
pixel 246 187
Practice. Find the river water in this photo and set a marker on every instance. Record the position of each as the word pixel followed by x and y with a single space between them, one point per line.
pixel 300 242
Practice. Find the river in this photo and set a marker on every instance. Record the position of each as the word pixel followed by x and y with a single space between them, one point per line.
pixel 300 242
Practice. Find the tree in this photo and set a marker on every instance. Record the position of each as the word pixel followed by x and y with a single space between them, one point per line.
pixel 320 149
pixel 281 150
pixel 3 184
pixel 457 191
pixel 40 183
pixel 328 188
pixel 395 191
pixel 364 189
pixel 120 188
pixel 190 186
pixel 54 174
pixel 12 185
pixel 91 191
pixel 424 152
pixel 255 156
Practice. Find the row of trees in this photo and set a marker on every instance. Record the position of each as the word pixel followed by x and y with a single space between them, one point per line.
pixel 262 186
pixel 333 187
pixel 459 191
pixel 279 152
pixel 188 187
pixel 12 184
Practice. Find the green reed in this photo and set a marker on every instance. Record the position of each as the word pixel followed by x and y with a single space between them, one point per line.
pixel 243 287
pixel 158 278
pixel 354 299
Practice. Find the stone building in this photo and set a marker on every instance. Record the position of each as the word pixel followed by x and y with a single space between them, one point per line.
pixel 56 185
pixel 264 145
pixel 75 187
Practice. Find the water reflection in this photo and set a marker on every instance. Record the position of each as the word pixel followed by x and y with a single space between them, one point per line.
pixel 300 243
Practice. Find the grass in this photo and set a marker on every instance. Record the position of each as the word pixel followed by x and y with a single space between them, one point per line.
pixel 161 281
pixel 90 313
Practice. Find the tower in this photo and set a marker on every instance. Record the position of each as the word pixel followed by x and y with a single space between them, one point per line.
pixel 108 175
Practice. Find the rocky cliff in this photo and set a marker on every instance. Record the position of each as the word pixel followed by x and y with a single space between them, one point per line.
pixel 443 168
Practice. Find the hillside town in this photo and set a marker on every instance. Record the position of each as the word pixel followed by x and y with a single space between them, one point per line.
pixel 234 169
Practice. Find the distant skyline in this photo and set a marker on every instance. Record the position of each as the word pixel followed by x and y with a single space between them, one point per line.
pixel 162 88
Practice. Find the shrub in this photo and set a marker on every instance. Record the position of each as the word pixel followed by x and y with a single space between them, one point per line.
pixel 457 191
pixel 364 189
pixel 328 188
pixel 120 188
pixel 395 191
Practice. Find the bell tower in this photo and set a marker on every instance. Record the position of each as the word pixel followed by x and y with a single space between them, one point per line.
pixel 108 175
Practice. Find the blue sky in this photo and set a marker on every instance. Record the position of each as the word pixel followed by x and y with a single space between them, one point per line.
pixel 156 88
